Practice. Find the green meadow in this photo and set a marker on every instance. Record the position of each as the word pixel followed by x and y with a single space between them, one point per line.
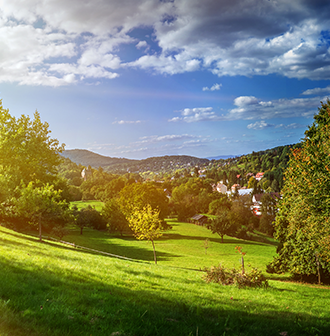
pixel 50 288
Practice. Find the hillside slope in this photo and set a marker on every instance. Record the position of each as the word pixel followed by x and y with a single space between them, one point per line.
pixel 53 289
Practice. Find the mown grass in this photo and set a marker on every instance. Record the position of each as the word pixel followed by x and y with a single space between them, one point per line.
pixel 53 289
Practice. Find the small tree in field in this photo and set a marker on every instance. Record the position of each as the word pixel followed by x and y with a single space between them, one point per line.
pixel 220 224
pixel 146 225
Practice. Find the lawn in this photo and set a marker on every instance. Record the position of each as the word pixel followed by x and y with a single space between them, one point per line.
pixel 54 289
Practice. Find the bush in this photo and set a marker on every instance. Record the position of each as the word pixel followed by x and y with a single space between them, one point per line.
pixel 223 276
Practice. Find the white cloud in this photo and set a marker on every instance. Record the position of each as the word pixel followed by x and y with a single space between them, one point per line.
pixel 214 87
pixel 196 114
pixel 252 108
pixel 123 122
pixel 317 91
pixel 259 125
pixel 245 38
pixel 245 101
pixel 142 44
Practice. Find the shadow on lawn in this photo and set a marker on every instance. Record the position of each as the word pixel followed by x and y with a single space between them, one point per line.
pixel 68 306
pixel 132 252
pixel 226 239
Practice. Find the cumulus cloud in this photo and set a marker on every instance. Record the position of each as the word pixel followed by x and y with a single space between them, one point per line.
pixel 252 108
pixel 48 42
pixel 317 91
pixel 196 114
pixel 259 125
pixel 214 87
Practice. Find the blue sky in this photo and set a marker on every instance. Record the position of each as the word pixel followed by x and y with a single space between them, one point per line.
pixel 142 78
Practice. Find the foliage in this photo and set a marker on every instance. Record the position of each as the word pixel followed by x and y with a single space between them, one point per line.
pixel 221 224
pixel 223 276
pixel 116 220
pixel 146 224
pixel 219 204
pixel 137 196
pixel 302 225
pixel 28 153
pixel 193 196
pixel 42 206
pixel 89 217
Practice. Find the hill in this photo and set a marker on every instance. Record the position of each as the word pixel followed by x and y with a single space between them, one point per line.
pixel 122 165
pixel 86 158
pixel 54 289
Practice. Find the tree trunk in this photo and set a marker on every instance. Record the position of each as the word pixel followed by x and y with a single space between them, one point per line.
pixel 81 230
pixel 153 245
pixel 318 268
pixel 40 236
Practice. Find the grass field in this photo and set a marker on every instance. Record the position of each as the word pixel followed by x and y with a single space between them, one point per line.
pixel 54 289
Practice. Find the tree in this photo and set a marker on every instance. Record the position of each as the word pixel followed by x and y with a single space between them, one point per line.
pixel 42 207
pixel 28 153
pixel 146 224
pixel 302 225
pixel 221 224
pixel 116 220
pixel 89 217
pixel 138 195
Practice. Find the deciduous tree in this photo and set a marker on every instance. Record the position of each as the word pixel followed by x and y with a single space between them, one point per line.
pixel 146 224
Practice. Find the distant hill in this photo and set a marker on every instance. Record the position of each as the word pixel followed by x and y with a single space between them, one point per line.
pixel 122 165
pixel 222 157
pixel 86 158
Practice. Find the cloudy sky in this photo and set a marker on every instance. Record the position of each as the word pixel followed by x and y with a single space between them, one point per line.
pixel 141 78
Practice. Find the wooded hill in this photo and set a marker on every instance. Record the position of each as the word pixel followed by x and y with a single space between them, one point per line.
pixel 122 165
pixel 271 161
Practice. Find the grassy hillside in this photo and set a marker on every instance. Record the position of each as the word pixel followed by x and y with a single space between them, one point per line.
pixel 53 289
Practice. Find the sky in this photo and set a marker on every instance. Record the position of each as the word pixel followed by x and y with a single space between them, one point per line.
pixel 143 78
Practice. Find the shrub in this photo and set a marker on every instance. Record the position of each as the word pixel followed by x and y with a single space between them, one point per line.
pixel 223 276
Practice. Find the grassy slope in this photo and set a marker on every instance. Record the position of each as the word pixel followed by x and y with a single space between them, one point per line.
pixel 52 289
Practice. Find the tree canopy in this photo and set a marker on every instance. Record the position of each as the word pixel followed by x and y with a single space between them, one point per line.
pixel 27 152
pixel 302 225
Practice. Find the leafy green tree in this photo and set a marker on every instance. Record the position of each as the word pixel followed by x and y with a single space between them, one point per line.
pixel 302 225
pixel 89 217
pixel 139 195
pixel 42 207
pixel 28 153
pixel 116 220
pixel 221 224
pixel 219 204
pixel 146 224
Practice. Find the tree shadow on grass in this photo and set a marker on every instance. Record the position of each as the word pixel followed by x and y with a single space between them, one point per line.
pixel 51 305
pixel 226 239
pixel 132 252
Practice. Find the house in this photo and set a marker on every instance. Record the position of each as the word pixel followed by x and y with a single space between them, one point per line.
pixel 86 174
pixel 256 200
pixel 235 187
pixel 259 176
pixel 199 219
pixel 245 191
pixel 221 188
